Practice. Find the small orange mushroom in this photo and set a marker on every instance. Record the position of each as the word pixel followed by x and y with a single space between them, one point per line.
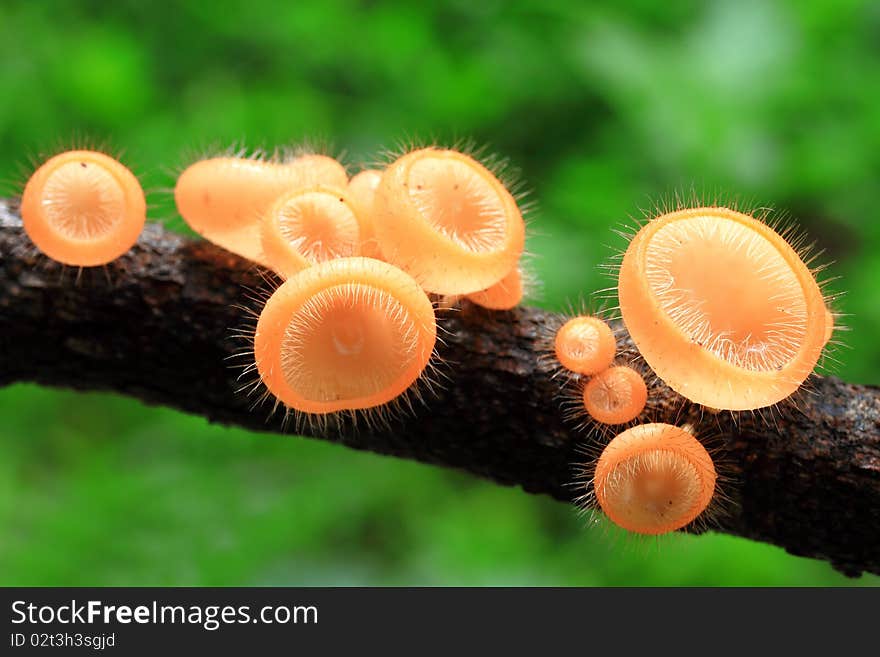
pixel 654 479
pixel 616 395
pixel 345 334
pixel 307 226
pixel 585 345
pixel 722 308
pixel 83 208
pixel 504 295
pixel 362 190
pixel 224 198
pixel 447 220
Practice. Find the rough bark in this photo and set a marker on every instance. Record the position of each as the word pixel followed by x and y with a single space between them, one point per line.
pixel 158 324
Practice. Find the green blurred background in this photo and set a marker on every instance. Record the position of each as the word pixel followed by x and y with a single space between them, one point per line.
pixel 606 109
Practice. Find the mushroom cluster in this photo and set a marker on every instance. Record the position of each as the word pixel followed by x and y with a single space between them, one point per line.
pixel 728 314
pixel 353 327
pixel 613 394
pixel 722 308
pixel 650 478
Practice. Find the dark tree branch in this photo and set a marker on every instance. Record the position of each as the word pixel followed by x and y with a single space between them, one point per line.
pixel 157 325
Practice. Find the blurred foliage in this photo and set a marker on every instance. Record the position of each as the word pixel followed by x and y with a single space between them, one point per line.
pixel 608 109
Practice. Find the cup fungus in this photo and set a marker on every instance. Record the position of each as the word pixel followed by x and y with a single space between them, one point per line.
pixel 447 220
pixel 307 226
pixel 585 345
pixel 722 308
pixel 224 198
pixel 344 335
pixel 654 479
pixel 616 395
pixel 504 295
pixel 83 208
pixel 362 190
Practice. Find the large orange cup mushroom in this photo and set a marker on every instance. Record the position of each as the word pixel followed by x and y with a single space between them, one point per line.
pixel 722 308
pixel 344 335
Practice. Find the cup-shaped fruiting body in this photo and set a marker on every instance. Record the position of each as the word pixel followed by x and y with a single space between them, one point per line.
pixel 585 345
pixel 504 295
pixel 616 395
pixel 83 208
pixel 654 479
pixel 224 198
pixel 722 308
pixel 309 225
pixel 362 190
pixel 346 334
pixel 447 220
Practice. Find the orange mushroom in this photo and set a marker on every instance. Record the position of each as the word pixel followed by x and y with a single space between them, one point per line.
pixel 585 345
pixel 362 190
pixel 224 198
pixel 83 208
pixel 447 220
pixel 307 226
pixel 344 335
pixel 654 479
pixel 504 295
pixel 616 395
pixel 722 308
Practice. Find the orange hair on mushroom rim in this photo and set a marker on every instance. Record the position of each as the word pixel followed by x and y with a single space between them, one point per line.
pixel 344 335
pixel 224 198
pixel 362 190
pixel 722 308
pixel 307 226
pixel 654 479
pixel 448 221
pixel 616 395
pixel 83 208
pixel 585 345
